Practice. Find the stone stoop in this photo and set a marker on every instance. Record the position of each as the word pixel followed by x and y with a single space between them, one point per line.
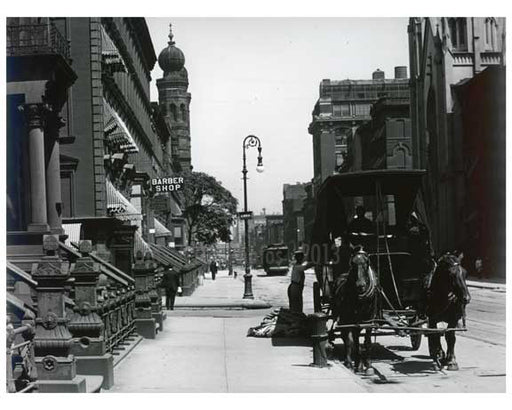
pixel 133 341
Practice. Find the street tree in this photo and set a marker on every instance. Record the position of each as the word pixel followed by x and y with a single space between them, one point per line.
pixel 209 208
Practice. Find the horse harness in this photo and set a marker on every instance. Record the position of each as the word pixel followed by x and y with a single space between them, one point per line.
pixel 450 301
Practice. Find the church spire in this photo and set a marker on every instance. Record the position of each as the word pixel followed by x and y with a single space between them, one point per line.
pixel 171 42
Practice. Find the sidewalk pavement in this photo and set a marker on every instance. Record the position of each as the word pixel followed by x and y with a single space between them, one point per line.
pixel 206 353
pixel 213 355
pixel 225 292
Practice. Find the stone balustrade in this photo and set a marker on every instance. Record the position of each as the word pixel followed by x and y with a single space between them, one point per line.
pixel 86 325
pixel 143 271
pixel 55 363
pixel 85 312
pixel 190 274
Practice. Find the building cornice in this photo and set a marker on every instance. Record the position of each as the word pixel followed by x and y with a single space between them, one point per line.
pixel 132 72
pixel 143 40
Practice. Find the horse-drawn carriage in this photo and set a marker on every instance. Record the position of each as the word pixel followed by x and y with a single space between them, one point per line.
pixel 373 269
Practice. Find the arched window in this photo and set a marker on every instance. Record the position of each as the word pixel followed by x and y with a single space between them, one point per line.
pixel 458 33
pixel 490 33
pixel 174 113
pixel 183 112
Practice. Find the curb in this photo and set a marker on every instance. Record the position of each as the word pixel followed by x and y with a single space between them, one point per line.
pixel 247 305
pixel 486 285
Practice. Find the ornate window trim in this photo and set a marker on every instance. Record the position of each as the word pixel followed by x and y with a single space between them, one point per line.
pixel 490 34
pixel 458 33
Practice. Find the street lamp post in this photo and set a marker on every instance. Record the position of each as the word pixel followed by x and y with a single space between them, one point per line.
pixel 249 141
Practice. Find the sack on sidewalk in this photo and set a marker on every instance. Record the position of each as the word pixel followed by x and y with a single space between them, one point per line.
pixel 281 323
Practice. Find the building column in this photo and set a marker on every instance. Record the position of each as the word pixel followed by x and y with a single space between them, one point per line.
pixel 35 114
pixel 53 184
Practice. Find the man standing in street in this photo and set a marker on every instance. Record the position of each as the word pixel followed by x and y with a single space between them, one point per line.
pixel 171 283
pixel 297 281
pixel 213 268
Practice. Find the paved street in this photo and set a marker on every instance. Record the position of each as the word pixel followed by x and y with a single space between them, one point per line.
pixel 205 349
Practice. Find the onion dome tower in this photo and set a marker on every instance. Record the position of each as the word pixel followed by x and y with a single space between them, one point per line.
pixel 174 100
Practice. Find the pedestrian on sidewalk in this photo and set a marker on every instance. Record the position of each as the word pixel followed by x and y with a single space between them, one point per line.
pixel 297 281
pixel 479 267
pixel 213 268
pixel 171 283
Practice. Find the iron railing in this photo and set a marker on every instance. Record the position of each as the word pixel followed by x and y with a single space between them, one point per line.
pixel 20 361
pixel 41 38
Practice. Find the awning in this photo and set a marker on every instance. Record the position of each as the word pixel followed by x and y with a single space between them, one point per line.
pixel 174 254
pixel 119 206
pixel 110 54
pixel 160 229
pixel 73 232
pixel 141 245
pixel 175 209
pixel 164 259
pixel 115 130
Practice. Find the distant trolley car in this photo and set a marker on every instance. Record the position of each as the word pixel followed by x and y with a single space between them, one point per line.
pixel 276 259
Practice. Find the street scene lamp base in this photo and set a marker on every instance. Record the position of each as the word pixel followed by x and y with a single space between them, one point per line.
pixel 248 286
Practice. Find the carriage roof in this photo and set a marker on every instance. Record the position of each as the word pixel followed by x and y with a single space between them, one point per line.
pixel 331 210
pixel 360 183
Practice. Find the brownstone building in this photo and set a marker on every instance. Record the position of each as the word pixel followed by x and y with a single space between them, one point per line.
pixel 385 141
pixel 341 108
pixel 39 77
pixel 84 143
pixel 121 139
pixel 293 215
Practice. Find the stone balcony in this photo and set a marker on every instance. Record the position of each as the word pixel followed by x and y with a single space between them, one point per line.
pixel 30 39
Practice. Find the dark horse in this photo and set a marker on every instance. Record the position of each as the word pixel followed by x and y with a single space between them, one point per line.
pixel 355 301
pixel 447 298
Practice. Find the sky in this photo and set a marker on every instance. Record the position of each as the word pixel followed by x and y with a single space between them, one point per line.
pixel 261 76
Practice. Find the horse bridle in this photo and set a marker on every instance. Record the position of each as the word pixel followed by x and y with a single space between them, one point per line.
pixel 371 279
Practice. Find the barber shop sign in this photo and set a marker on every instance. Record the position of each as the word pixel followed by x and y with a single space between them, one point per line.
pixel 168 184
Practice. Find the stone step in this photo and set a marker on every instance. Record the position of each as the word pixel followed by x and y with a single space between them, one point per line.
pixel 119 356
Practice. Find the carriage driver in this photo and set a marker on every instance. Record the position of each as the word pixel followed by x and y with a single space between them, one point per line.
pixel 360 223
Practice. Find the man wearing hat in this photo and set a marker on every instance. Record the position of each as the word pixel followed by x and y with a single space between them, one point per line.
pixel 171 283
pixel 297 281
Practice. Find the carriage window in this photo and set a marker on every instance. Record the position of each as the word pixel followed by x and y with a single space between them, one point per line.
pixel 339 159
pixel 391 217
